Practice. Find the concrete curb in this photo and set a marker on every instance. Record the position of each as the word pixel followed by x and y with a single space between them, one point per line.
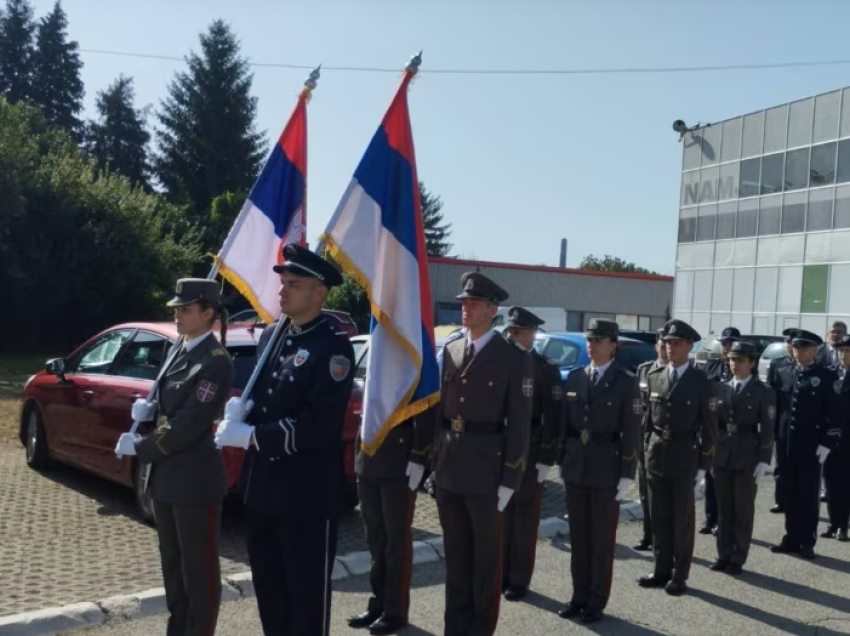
pixel 78 616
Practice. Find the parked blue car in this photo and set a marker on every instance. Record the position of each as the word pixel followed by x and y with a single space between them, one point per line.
pixel 569 351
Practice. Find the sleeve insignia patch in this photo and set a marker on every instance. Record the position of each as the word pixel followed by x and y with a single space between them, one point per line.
pixel 527 387
pixel 340 367
pixel 637 406
pixel 557 392
pixel 712 404
pixel 206 391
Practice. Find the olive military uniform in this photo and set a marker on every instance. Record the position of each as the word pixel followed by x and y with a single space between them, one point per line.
pixel 522 514
pixel 601 439
pixel 682 424
pixel 482 443
pixel 747 413
pixel 836 468
pixel 187 477
pixel 387 504
pixel 806 406
pixel 293 478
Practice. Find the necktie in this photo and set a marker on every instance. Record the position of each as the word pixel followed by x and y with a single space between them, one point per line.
pixel 738 387
pixel 468 353
pixel 674 377
pixel 594 377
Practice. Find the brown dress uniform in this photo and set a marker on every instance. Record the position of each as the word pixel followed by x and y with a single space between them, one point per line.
pixel 747 417
pixel 601 438
pixel 522 515
pixel 387 504
pixel 682 425
pixel 187 479
pixel 482 443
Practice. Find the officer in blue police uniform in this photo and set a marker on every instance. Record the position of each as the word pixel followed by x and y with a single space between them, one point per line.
pixel 836 468
pixel 292 475
pixel 773 382
pixel 808 428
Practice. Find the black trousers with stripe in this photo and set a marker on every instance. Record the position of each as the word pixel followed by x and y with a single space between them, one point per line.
pixel 291 564
pixel 188 548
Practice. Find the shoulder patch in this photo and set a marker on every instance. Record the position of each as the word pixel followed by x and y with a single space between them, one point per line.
pixel 340 366
pixel 218 352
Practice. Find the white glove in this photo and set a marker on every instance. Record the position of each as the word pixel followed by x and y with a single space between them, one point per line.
pixel 622 487
pixel 699 482
pixel 542 472
pixel 143 411
pixel 505 495
pixel 236 410
pixel 758 473
pixel 414 473
pixel 822 452
pixel 126 444
pixel 234 433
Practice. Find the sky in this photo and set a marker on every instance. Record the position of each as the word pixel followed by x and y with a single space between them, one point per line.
pixel 520 161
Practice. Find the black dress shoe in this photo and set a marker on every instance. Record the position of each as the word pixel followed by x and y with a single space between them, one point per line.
pixel 829 533
pixel 842 536
pixel 676 588
pixel 643 546
pixel 777 509
pixel 571 610
pixel 591 616
pixel 807 552
pixel 719 565
pixel 651 580
pixel 735 569
pixel 363 620
pixel 386 625
pixel 784 548
pixel 706 529
pixel 516 592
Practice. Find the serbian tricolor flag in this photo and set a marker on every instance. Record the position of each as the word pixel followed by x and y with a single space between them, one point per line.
pixel 376 236
pixel 274 215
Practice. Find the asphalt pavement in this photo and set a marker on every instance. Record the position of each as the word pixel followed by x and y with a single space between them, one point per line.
pixel 777 594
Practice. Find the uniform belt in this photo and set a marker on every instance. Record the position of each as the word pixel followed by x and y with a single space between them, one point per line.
pixel 740 428
pixel 459 425
pixel 668 434
pixel 586 436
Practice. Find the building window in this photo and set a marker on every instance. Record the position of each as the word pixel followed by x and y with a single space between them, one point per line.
pixel 839 299
pixel 692 152
pixel 800 123
pixel 826 116
pixel 749 177
pixel 687 225
pixel 709 182
pixel 775 128
pixel 727 187
pixel 765 289
pixel 822 170
pixel 772 173
pixel 796 169
pixel 711 145
pixel 742 299
pixel 644 323
pixel 770 212
pixel 752 142
pixel 788 292
pixel 731 140
pixel 845 114
pixel 820 209
pixel 843 172
pixel 794 213
pixel 702 289
pixel 706 218
pixel 726 213
pixel 690 188
pixel 721 296
pixel 841 220
pixel 815 286
pixel 748 212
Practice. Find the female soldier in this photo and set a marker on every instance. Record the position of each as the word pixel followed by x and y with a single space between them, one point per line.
pixel 187 475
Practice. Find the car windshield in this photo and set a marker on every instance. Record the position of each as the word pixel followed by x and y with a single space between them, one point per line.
pixel 775 350
pixel 630 355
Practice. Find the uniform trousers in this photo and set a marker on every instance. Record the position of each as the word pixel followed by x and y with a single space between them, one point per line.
pixel 643 490
pixel 188 548
pixel 472 540
pixel 736 503
pixel 594 516
pixel 710 500
pixel 671 503
pixel 291 563
pixel 522 521
pixel 387 508
pixel 836 472
pixel 778 497
pixel 801 500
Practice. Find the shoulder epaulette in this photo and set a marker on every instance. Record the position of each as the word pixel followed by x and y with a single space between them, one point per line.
pixel 218 352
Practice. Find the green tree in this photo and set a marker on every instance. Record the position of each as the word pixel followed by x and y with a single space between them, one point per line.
pixel 437 231
pixel 223 212
pixel 57 85
pixel 118 139
pixel 612 264
pixel 17 51
pixel 208 144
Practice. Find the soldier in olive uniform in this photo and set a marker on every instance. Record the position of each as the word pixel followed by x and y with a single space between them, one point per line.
pixel 836 469
pixel 645 544
pixel 681 417
pixel 744 446
pixel 292 475
pixel 187 477
pixel 482 443
pixel 773 382
pixel 387 483
pixel 719 371
pixel 809 427
pixel 601 432
pixel 522 515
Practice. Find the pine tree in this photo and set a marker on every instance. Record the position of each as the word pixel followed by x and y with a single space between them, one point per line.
pixel 57 85
pixel 437 231
pixel 17 29
pixel 118 139
pixel 208 142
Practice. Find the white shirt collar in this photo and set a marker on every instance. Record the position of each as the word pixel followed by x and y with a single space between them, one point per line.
pixel 478 345
pixel 194 342
pixel 680 370
pixel 743 383
pixel 601 370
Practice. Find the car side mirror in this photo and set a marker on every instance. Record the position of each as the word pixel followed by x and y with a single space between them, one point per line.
pixel 56 367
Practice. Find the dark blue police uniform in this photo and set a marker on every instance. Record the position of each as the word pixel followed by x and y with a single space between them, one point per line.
pixel 292 480
pixel 774 383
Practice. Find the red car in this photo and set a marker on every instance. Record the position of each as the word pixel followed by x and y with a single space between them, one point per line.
pixel 249 318
pixel 74 411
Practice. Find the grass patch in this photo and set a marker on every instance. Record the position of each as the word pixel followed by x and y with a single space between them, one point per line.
pixel 17 365
pixel 10 408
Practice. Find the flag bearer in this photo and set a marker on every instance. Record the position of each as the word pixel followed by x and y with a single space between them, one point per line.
pixel 836 470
